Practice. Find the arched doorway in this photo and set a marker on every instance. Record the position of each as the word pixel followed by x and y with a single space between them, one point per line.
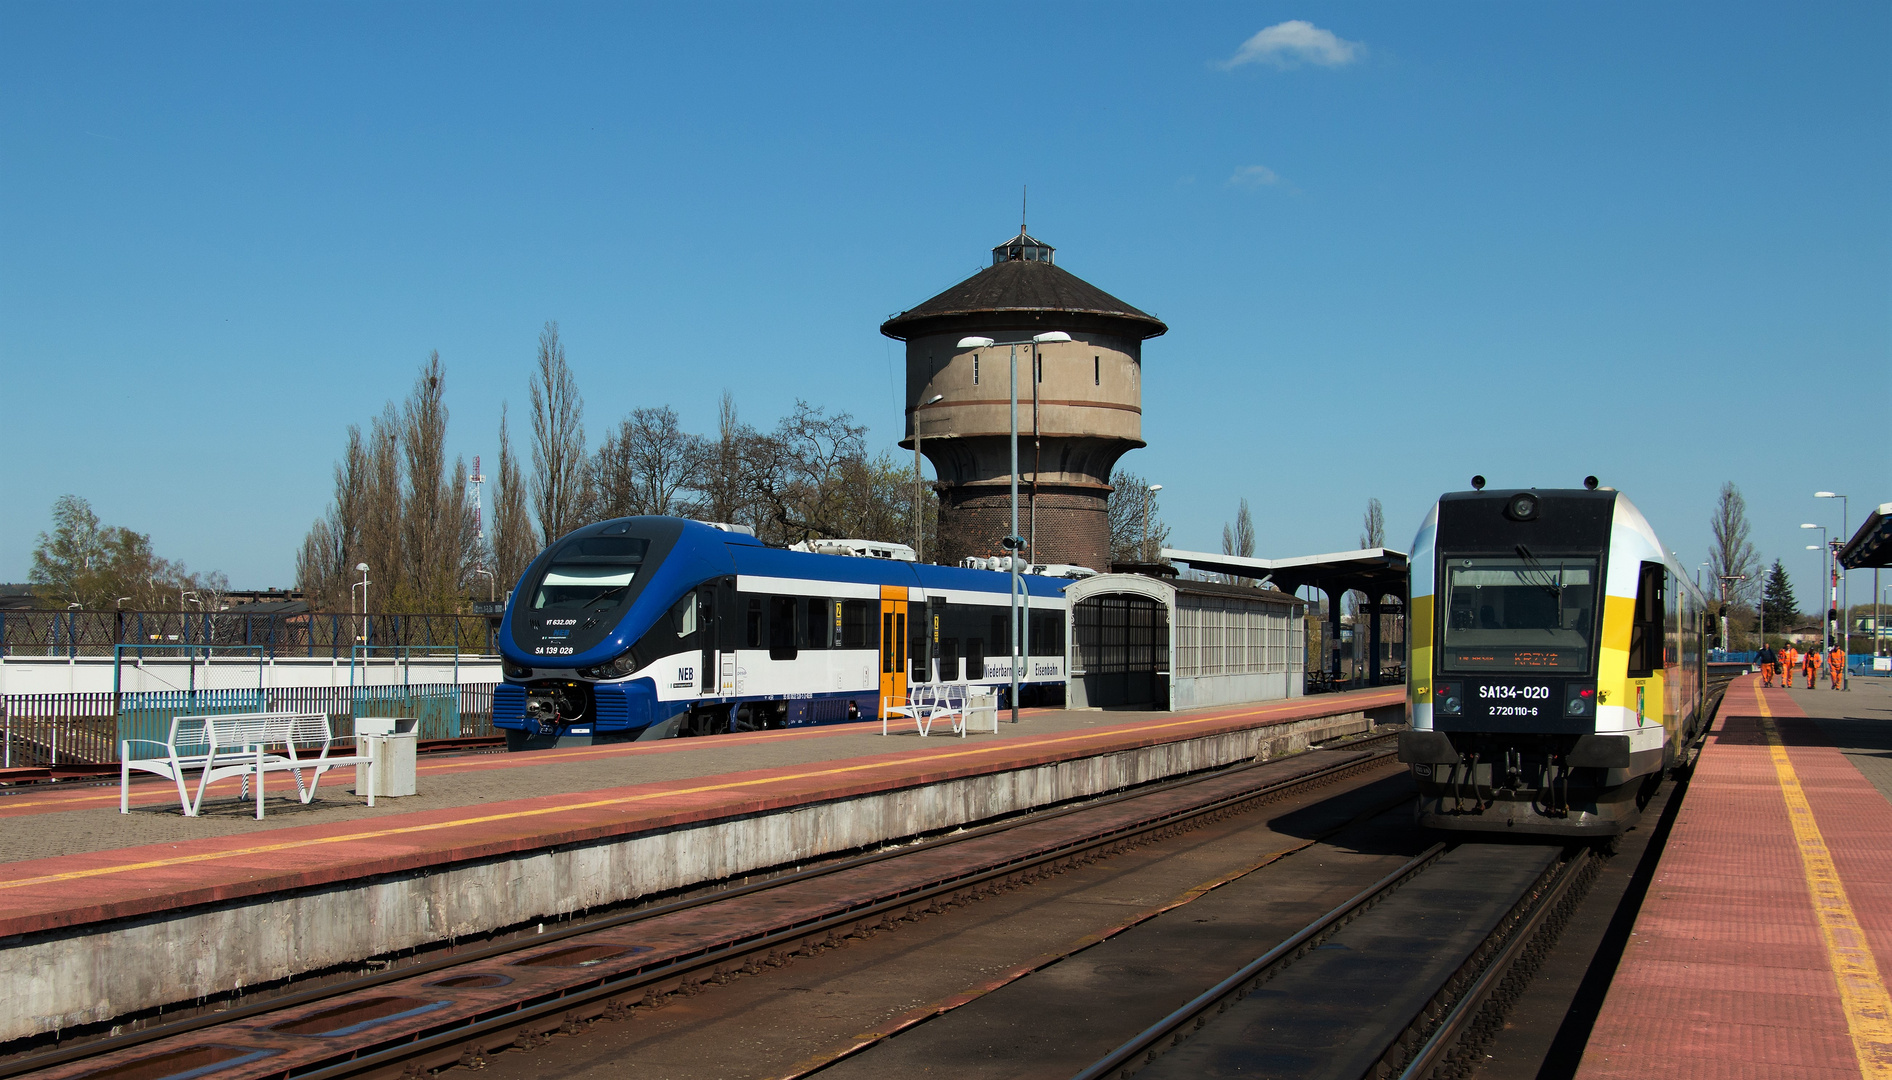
pixel 1120 643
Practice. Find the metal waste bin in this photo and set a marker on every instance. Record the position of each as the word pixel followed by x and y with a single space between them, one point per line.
pixel 393 740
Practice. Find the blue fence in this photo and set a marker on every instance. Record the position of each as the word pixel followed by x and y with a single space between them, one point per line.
pixel 436 707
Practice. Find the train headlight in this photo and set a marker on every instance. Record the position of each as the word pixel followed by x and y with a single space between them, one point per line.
pixel 1448 698
pixel 1521 507
pixel 1580 701
pixel 616 668
pixel 516 671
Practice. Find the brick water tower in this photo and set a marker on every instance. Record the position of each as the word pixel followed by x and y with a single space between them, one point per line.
pixel 1080 404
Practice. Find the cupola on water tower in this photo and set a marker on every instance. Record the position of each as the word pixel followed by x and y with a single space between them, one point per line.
pixel 1080 404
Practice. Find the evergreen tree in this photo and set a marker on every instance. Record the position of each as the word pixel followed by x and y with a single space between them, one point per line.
pixel 1777 602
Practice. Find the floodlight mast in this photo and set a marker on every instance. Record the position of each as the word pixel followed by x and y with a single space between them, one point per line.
pixel 1013 542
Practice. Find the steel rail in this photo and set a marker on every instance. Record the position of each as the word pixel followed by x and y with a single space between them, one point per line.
pixel 682 968
pixel 1195 1013
pixel 1445 1036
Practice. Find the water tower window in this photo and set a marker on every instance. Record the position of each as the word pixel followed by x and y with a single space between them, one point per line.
pixel 975 369
pixel 1097 371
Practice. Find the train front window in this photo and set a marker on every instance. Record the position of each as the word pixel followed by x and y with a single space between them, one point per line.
pixel 593 572
pixel 1531 613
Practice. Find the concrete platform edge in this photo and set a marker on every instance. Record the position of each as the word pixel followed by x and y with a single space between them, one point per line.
pixel 74 975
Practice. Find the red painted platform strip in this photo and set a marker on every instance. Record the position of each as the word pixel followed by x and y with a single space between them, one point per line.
pixel 1729 972
pixel 73 890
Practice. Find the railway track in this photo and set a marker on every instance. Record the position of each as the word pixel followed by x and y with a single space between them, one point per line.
pixel 1371 1008
pixel 1349 995
pixel 455 1009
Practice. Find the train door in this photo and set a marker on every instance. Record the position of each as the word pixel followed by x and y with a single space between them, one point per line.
pixel 711 635
pixel 728 638
pixel 893 643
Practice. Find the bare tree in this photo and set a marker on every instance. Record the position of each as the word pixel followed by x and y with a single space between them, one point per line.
pixel 513 545
pixel 646 465
pixel 719 473
pixel 436 517
pixel 1733 555
pixel 613 476
pixel 663 457
pixel 379 534
pixel 1137 531
pixel 98 567
pixel 399 509
pixel 323 566
pixel 1374 522
pixel 559 488
pixel 797 474
pixel 1239 539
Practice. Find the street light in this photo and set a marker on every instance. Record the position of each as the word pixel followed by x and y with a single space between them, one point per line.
pixel 1014 543
pixel 1827 572
pixel 1846 593
pixel 1727 580
pixel 492 587
pixel 919 518
pixel 363 586
pixel 1149 496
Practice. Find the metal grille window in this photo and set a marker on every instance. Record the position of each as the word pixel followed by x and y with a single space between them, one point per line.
pixel 1232 636
pixel 1120 634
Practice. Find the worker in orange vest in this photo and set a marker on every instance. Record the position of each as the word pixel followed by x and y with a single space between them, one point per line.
pixel 1836 667
pixel 1789 662
pixel 1812 661
pixel 1769 661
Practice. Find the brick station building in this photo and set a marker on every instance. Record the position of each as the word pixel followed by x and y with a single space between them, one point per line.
pixel 1080 404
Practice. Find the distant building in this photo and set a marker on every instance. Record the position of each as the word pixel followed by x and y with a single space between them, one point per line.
pixel 1080 404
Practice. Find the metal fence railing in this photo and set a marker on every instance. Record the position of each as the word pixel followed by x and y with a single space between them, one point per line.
pixel 326 634
pixel 86 728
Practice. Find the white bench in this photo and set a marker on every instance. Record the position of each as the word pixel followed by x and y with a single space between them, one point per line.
pixel 249 745
pixel 927 703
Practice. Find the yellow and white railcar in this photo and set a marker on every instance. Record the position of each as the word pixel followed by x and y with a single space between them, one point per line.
pixel 1557 662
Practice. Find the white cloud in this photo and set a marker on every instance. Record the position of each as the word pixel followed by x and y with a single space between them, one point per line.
pixel 1286 44
pixel 1254 176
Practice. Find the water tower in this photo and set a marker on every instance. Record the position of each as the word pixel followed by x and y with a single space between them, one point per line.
pixel 1080 404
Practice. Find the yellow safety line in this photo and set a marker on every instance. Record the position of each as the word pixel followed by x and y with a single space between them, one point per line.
pixel 291 845
pixel 1862 993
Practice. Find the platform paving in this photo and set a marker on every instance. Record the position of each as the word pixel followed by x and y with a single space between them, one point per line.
pixel 1763 946
pixel 145 909
pixel 155 858
pixel 88 818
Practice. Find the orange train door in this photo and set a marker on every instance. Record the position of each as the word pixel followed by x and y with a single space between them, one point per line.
pixel 893 644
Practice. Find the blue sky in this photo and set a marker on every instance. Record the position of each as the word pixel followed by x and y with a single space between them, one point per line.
pixel 1400 245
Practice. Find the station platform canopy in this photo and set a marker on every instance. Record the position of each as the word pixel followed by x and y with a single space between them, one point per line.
pixel 1376 572
pixel 1871 546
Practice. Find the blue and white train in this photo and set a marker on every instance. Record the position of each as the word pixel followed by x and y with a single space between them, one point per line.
pixel 653 627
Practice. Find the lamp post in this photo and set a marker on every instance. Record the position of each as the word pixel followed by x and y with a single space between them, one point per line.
pixel 1014 543
pixel 919 517
pixel 1149 496
pixel 363 586
pixel 1727 581
pixel 1826 572
pixel 492 587
pixel 1845 593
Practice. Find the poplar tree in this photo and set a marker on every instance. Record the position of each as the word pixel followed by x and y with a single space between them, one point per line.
pixel 560 491
pixel 513 542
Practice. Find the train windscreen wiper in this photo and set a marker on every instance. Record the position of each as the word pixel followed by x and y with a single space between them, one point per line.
pixel 1545 580
pixel 596 600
